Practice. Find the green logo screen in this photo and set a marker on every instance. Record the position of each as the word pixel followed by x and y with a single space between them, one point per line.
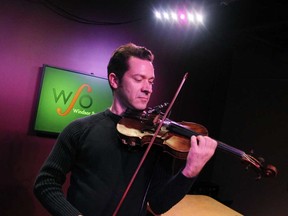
pixel 67 95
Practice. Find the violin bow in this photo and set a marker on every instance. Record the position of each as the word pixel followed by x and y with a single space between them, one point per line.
pixel 149 146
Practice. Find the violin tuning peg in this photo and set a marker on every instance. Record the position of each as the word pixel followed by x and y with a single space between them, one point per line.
pixel 261 160
pixel 258 177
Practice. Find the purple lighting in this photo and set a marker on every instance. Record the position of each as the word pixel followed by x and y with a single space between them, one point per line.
pixel 188 17
pixel 182 16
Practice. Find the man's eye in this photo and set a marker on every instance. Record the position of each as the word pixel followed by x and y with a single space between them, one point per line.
pixel 137 79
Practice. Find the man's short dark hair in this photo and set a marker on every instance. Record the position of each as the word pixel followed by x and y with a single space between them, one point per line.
pixel 118 63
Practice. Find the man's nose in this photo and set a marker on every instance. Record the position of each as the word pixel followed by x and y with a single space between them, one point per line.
pixel 147 87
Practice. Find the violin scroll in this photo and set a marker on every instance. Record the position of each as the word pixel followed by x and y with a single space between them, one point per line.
pixel 260 167
pixel 271 171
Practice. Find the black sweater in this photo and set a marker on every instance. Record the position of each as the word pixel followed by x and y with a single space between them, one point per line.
pixel 101 168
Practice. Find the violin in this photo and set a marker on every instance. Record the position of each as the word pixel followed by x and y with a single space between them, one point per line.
pixel 152 127
pixel 137 128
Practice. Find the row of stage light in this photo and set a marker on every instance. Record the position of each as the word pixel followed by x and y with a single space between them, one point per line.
pixel 183 17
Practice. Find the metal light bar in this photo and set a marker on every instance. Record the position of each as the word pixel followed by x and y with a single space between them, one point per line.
pixel 180 16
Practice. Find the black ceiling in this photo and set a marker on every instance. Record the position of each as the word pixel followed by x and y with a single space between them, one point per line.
pixel 261 20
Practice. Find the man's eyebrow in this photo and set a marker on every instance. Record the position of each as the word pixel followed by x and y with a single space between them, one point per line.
pixel 143 76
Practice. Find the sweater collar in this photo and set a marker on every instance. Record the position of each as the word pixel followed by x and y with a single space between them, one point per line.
pixel 113 116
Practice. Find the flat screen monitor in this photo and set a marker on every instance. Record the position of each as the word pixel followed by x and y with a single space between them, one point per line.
pixel 66 95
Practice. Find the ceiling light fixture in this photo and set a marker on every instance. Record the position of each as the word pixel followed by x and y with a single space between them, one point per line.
pixel 184 17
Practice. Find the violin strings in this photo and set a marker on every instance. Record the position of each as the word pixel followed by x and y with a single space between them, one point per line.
pixel 231 149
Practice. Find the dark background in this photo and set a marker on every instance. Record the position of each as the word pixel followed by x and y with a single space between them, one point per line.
pixel 237 85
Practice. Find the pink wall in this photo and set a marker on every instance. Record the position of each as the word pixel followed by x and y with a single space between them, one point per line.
pixel 31 35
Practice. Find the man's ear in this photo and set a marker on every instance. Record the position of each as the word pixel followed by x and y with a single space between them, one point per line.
pixel 113 80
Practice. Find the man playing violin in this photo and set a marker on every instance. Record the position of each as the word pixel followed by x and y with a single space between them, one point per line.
pixel 101 166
